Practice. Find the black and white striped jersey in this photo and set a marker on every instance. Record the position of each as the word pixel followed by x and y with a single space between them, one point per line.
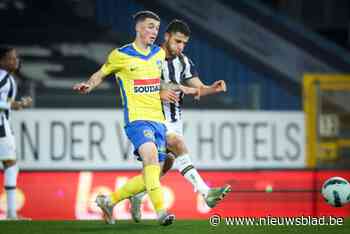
pixel 176 70
pixel 8 90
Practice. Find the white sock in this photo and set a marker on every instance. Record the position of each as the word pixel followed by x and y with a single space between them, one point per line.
pixel 10 182
pixel 184 164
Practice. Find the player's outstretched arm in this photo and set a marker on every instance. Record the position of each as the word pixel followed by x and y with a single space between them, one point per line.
pixel 217 87
pixel 94 81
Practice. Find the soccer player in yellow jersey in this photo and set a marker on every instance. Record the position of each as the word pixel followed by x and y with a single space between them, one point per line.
pixel 138 69
pixel 179 69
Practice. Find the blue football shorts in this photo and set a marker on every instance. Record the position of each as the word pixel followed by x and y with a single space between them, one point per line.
pixel 141 131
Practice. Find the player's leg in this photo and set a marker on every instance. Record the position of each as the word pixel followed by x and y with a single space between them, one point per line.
pixel 152 156
pixel 8 158
pixel 136 200
pixel 133 186
pixel 10 183
pixel 142 136
pixel 151 171
pixel 151 174
pixel 168 163
pixel 184 163
pixel 150 178
pixel 185 166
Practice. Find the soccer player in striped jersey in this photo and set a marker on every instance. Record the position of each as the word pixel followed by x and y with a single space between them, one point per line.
pixel 137 67
pixel 179 70
pixel 9 64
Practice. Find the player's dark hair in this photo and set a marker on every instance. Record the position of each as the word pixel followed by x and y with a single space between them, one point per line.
pixel 177 25
pixel 142 15
pixel 4 50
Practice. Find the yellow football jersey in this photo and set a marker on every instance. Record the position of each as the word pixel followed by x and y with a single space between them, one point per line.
pixel 138 73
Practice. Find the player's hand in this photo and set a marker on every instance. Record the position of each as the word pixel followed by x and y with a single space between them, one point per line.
pixel 196 92
pixel 169 96
pixel 26 102
pixel 219 86
pixel 82 88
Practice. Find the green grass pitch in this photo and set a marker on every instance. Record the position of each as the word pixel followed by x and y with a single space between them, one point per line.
pixel 179 227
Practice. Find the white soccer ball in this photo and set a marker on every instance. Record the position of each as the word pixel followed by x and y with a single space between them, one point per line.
pixel 336 191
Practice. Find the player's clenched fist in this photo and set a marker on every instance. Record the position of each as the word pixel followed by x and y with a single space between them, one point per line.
pixel 219 86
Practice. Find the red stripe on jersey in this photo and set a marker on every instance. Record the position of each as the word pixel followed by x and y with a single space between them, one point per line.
pixel 147 82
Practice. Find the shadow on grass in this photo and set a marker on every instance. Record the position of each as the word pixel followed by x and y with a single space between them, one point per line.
pixel 118 227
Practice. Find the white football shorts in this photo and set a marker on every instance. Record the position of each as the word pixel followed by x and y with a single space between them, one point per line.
pixel 174 127
pixel 7 141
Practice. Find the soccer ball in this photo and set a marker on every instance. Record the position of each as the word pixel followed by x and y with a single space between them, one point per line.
pixel 336 191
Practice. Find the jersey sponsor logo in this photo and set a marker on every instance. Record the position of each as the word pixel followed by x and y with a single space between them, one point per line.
pixel 146 86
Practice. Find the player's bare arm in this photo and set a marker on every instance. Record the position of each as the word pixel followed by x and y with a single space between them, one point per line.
pixel 194 91
pixel 94 81
pixel 216 87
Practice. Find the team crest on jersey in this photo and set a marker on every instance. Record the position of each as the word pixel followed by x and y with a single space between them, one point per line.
pixel 146 86
pixel 149 134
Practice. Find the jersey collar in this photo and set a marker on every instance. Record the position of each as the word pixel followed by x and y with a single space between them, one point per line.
pixel 141 51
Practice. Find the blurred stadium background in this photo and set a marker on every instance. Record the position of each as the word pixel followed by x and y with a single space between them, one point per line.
pixel 283 124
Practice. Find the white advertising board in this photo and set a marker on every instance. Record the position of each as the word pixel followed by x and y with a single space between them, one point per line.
pixel 94 139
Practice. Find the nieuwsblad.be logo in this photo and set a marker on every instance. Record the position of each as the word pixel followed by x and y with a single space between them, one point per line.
pixel 146 86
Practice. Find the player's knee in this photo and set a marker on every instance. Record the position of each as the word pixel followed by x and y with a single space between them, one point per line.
pixel 171 141
pixel 149 153
pixel 176 144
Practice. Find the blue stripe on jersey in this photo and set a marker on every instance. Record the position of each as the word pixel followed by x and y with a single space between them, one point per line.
pixel 130 50
pixel 125 101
